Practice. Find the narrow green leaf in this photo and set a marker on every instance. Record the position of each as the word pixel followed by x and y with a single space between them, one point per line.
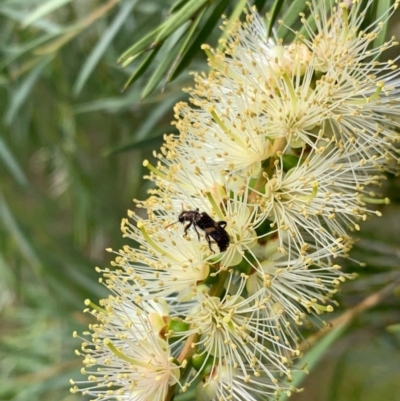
pixel 259 4
pixel 236 13
pixel 23 244
pixel 187 38
pixel 177 6
pixel 110 104
pixel 13 52
pixel 20 16
pixel 55 45
pixel 169 26
pixel 339 374
pixel 142 68
pixel 12 164
pixel 150 133
pixel 314 355
pixel 394 328
pixel 171 56
pixel 178 19
pixel 145 43
pixel 273 14
pixel 159 73
pixel 290 17
pixel 77 28
pixel 199 38
pixel 102 45
pixel 6 275
pixel 157 113
pixel 369 15
pixel 382 8
pixel 21 94
pixel 149 143
pixel 43 10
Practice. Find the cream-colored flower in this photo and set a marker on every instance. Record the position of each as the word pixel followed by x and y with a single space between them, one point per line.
pixel 278 158
pixel 318 200
pixel 257 100
pixel 241 214
pixel 125 359
pixel 166 262
pixel 293 289
pixel 226 383
pixel 362 91
pixel 236 347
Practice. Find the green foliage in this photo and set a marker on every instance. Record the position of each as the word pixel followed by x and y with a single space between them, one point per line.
pixel 71 151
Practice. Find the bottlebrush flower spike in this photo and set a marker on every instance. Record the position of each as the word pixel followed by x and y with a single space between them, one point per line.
pixel 283 147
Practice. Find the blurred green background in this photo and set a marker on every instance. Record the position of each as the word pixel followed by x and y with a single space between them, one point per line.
pixel 71 152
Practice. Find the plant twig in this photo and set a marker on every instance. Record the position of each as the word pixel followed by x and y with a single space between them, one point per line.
pixel 349 315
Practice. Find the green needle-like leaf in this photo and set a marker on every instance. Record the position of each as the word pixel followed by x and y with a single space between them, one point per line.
pixel 142 67
pixel 24 89
pixel 148 134
pixel 187 38
pixel 393 328
pixel 44 9
pixel 177 6
pixel 290 17
pixel 259 4
pixel 16 51
pixel 146 43
pixel 273 14
pixel 184 14
pixel 23 242
pixel 102 45
pixel 211 19
pixel 159 34
pixel 12 164
pixel 382 7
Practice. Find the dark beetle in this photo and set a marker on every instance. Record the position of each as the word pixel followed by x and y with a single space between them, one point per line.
pixel 213 229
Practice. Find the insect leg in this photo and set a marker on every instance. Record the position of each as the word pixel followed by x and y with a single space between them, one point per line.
pixel 188 226
pixel 209 243
pixel 195 229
